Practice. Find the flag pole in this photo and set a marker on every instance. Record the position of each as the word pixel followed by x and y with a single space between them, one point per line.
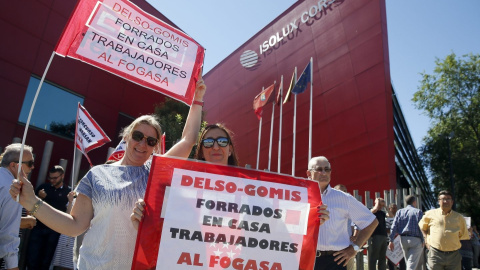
pixel 30 116
pixel 294 127
pixel 259 136
pixel 280 127
pixel 310 122
pixel 271 133
pixel 75 145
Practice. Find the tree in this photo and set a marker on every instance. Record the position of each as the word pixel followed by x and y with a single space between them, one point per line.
pixel 172 115
pixel 66 130
pixel 451 98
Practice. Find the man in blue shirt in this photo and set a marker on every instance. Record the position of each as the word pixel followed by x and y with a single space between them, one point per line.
pixel 406 226
pixel 10 210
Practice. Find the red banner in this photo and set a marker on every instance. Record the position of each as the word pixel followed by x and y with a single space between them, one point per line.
pixel 119 37
pixel 88 134
pixel 217 217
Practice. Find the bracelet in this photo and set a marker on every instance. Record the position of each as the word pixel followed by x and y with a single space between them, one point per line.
pixel 198 102
pixel 36 206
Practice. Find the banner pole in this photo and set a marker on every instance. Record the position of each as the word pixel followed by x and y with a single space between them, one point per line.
pixel 310 122
pixel 75 145
pixel 280 128
pixel 294 127
pixel 30 116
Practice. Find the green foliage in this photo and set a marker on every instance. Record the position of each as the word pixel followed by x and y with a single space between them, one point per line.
pixel 172 115
pixel 451 98
pixel 65 130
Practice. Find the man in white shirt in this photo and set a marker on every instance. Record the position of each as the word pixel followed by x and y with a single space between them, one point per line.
pixel 334 248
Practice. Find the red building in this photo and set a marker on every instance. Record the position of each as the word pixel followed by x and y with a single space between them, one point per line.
pixel 357 123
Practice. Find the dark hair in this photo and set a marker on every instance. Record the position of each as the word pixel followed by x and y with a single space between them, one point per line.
pixel 410 199
pixel 232 159
pixel 56 168
pixel 446 193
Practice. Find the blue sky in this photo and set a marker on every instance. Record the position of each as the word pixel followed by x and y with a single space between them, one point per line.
pixel 419 31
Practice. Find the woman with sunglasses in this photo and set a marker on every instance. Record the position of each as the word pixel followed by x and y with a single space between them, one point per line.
pixel 214 145
pixel 107 193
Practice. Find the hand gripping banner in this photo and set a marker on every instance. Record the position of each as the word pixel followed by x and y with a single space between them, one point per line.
pixel 119 37
pixel 209 216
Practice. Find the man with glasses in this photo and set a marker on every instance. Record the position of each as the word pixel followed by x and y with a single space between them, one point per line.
pixel 10 210
pixel 334 248
pixel 443 229
pixel 405 224
pixel 43 240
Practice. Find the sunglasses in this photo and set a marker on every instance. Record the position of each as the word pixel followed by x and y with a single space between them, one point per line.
pixel 221 141
pixel 28 163
pixel 54 177
pixel 138 137
pixel 320 169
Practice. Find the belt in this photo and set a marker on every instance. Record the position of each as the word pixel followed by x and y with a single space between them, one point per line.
pixel 444 252
pixel 325 253
pixel 410 235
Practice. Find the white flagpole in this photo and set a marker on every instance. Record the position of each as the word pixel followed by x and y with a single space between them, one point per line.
pixel 30 116
pixel 259 136
pixel 280 128
pixel 310 122
pixel 294 127
pixel 271 136
pixel 75 146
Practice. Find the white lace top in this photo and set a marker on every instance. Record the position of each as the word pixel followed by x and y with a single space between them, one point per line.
pixel 110 240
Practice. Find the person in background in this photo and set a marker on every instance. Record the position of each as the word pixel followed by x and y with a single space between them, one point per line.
pixel 334 248
pixel 392 210
pixel 107 192
pixel 43 240
pixel 63 257
pixel 378 248
pixel 476 246
pixel 405 225
pixel 467 252
pixel 443 229
pixel 10 210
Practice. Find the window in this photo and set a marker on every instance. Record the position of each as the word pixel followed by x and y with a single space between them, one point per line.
pixel 55 110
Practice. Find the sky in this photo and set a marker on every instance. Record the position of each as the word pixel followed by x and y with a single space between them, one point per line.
pixel 419 32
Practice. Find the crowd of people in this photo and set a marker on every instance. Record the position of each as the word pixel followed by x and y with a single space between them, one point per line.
pixel 103 200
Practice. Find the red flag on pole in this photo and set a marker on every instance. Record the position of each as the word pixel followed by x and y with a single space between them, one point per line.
pixel 278 100
pixel 262 99
pixel 119 37
pixel 88 134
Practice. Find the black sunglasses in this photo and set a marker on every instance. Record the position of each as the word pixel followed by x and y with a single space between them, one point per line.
pixel 28 163
pixel 138 136
pixel 221 141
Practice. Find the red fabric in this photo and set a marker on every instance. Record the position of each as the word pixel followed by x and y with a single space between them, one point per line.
pixel 150 230
pixel 262 99
pixel 75 42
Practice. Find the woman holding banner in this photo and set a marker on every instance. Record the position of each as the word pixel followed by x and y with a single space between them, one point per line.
pixel 214 145
pixel 107 193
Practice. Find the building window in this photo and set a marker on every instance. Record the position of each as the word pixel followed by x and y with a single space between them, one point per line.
pixel 55 110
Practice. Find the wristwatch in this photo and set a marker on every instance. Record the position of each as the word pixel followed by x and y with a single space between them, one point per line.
pixel 355 247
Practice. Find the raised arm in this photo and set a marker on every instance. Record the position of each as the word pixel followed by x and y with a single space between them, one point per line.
pixel 72 225
pixel 192 124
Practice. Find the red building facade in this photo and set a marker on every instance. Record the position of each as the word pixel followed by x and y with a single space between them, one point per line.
pixel 352 95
